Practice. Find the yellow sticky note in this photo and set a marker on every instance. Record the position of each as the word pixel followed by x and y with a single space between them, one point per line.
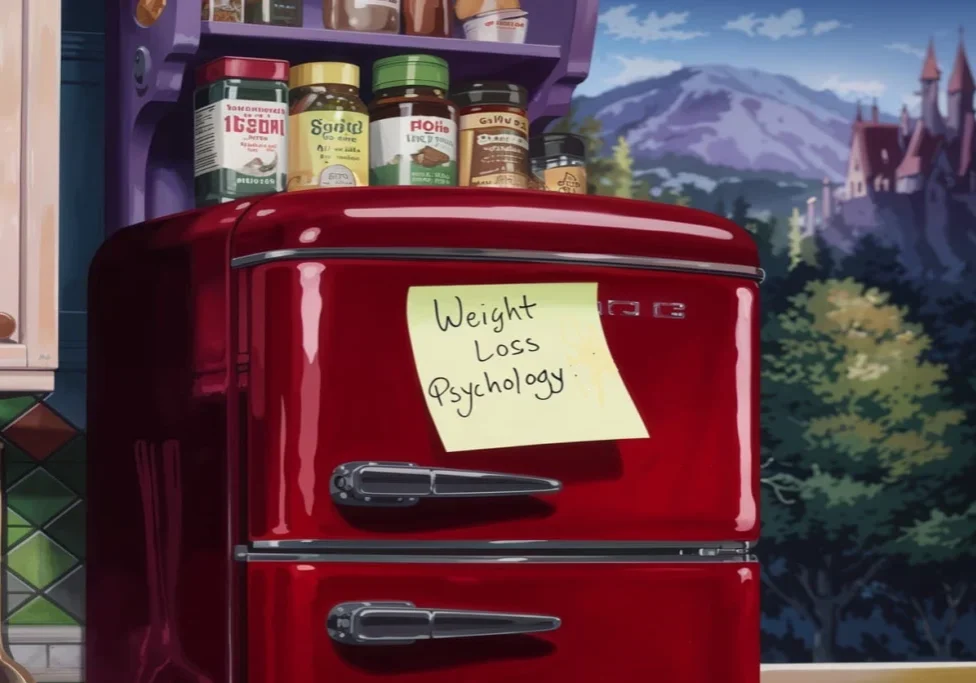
pixel 517 365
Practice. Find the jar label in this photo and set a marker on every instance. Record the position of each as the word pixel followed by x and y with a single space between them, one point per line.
pixel 240 146
pixel 413 150
pixel 568 179
pixel 328 149
pixel 390 4
pixel 494 150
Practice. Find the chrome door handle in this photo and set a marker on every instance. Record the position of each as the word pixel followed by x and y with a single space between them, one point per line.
pixel 401 623
pixel 401 484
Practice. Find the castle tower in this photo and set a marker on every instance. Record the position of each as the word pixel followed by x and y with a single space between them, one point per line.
pixel 931 118
pixel 827 201
pixel 904 127
pixel 811 226
pixel 961 88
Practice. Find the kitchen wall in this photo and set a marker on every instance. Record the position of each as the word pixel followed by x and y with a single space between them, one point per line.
pixel 43 436
pixel 803 123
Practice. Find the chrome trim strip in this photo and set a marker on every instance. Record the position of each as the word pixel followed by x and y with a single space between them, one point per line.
pixel 503 255
pixel 318 546
pixel 314 546
pixel 241 554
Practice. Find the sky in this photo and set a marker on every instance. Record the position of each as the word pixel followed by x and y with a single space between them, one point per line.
pixel 860 49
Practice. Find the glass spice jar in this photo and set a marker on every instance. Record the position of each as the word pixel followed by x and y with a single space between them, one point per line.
pixel 427 18
pixel 274 12
pixel 239 129
pixel 559 162
pixel 413 126
pixel 374 16
pixel 328 127
pixel 493 138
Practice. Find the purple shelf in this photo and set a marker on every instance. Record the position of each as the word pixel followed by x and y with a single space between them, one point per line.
pixel 224 31
pixel 149 77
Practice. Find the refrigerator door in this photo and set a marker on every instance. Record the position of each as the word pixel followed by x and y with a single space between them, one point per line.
pixel 479 622
pixel 341 447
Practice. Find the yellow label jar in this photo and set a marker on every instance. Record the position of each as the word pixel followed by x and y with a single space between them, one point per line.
pixel 328 127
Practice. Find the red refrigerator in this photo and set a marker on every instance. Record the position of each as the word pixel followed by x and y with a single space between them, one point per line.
pixel 276 493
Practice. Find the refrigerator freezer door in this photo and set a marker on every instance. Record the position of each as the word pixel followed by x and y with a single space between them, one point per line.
pixel 628 623
pixel 332 384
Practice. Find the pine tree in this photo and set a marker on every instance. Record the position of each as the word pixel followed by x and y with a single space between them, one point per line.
pixel 622 172
pixel 803 248
pixel 740 211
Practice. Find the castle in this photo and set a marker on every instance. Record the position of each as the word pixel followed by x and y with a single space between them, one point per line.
pixel 912 182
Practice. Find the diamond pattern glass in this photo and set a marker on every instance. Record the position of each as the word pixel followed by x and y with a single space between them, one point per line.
pixel 12 408
pixel 69 529
pixel 39 432
pixel 40 561
pixel 16 463
pixel 68 465
pixel 38 497
pixel 44 480
pixel 40 611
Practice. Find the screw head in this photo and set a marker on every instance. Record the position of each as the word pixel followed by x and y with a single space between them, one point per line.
pixel 141 65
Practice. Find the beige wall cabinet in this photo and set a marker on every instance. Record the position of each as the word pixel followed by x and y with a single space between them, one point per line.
pixel 30 65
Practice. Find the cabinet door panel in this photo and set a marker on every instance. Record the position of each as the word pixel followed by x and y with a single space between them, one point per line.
pixel 12 353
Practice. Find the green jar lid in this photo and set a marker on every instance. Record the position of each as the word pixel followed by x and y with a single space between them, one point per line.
pixel 410 70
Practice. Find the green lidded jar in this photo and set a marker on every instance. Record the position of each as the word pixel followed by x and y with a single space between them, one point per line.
pixel 239 125
pixel 412 124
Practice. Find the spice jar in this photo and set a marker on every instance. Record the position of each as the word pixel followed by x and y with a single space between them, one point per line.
pixel 240 116
pixel 493 145
pixel 328 142
pixel 222 10
pixel 412 125
pixel 427 18
pixel 274 12
pixel 559 162
pixel 379 16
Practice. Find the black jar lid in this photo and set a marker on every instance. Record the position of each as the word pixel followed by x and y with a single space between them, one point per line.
pixel 490 92
pixel 557 145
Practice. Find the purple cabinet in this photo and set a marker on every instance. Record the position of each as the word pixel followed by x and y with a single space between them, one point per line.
pixel 149 80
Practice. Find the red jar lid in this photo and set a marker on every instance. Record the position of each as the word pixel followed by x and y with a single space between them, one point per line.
pixel 242 67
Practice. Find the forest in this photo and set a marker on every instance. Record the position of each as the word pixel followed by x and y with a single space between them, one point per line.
pixel 868 540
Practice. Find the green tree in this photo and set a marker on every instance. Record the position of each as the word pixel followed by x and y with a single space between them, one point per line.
pixel 740 211
pixel 720 209
pixel 930 585
pixel 853 417
pixel 803 247
pixel 622 172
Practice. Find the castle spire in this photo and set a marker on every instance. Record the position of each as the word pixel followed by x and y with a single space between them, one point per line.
pixel 961 79
pixel 930 68
pixel 875 113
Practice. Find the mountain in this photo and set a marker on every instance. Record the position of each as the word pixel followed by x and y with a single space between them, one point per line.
pixel 739 119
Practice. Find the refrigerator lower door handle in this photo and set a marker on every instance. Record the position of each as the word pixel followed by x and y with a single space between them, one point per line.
pixel 401 484
pixel 401 623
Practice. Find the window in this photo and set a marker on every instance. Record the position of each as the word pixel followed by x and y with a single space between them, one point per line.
pixel 884 156
pixel 860 188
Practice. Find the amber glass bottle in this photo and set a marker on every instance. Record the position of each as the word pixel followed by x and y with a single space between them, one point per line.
pixel 493 142
pixel 413 126
pixel 427 18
